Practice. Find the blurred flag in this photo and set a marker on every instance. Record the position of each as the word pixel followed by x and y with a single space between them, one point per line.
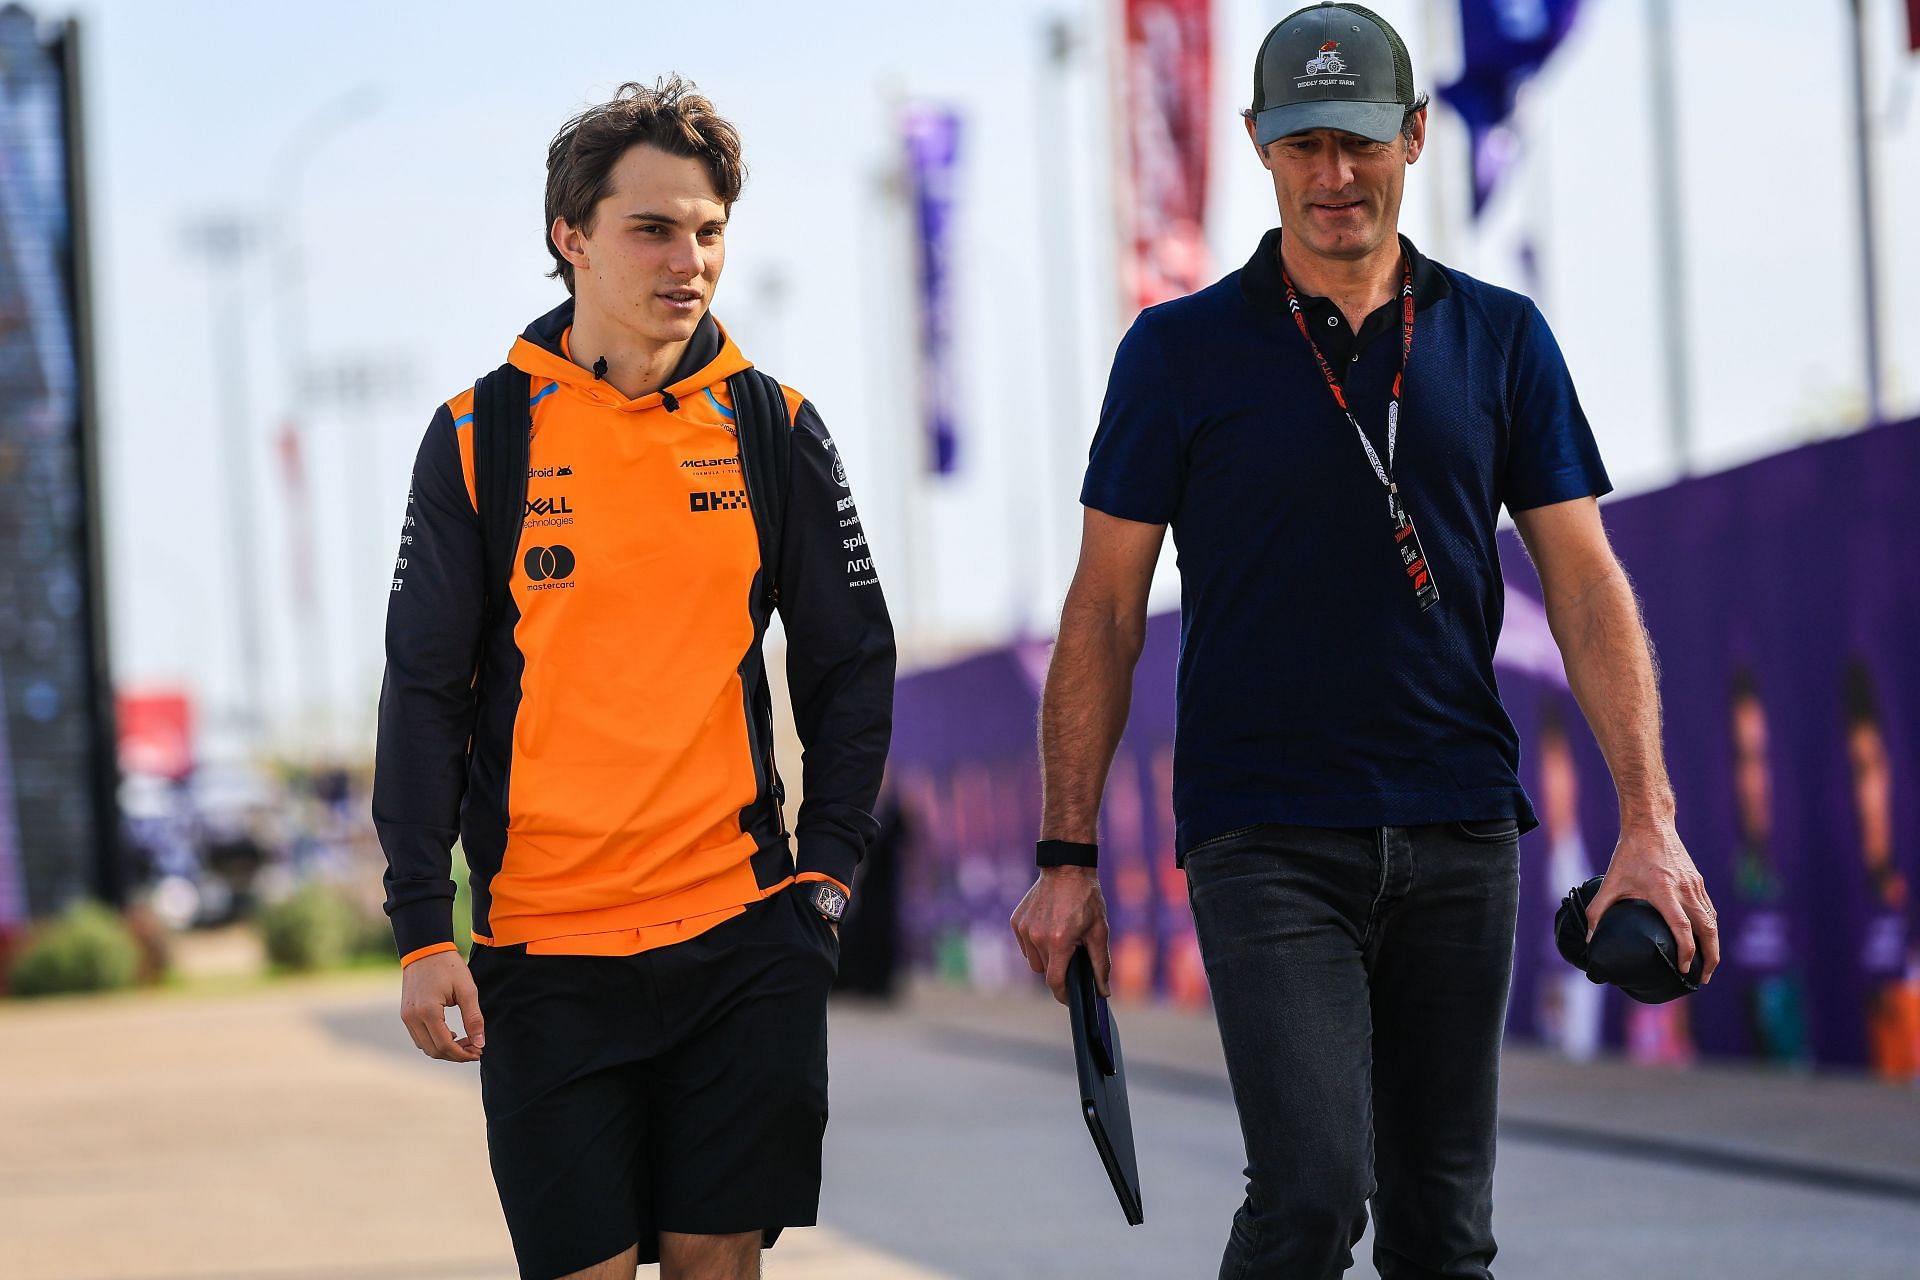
pixel 1503 43
pixel 1531 273
pixel 293 481
pixel 1913 25
pixel 933 149
pixel 1165 104
pixel 156 732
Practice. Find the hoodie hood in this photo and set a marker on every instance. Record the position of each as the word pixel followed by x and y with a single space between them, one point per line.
pixel 542 352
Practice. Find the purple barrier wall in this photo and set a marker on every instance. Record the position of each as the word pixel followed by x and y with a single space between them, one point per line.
pixel 1782 598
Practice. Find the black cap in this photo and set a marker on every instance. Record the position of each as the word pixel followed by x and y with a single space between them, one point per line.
pixel 1332 66
pixel 1632 947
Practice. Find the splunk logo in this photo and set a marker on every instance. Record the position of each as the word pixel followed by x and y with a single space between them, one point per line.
pixel 717 500
pixel 548 567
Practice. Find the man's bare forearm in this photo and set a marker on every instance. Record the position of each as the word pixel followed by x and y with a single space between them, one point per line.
pixel 1083 711
pixel 1614 676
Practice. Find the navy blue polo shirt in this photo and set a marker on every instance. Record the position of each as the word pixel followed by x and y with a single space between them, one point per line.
pixel 1312 689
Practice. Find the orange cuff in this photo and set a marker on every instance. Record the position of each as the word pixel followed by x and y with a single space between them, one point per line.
pixel 823 876
pixel 423 952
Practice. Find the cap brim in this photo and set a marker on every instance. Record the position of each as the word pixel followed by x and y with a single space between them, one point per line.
pixel 1379 121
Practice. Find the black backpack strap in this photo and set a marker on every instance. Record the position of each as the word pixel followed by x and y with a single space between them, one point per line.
pixel 766 461
pixel 502 431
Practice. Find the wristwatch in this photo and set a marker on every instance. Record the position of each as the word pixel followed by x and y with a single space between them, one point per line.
pixel 829 902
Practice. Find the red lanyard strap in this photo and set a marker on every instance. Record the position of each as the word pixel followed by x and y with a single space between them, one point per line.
pixel 1412 558
pixel 1384 472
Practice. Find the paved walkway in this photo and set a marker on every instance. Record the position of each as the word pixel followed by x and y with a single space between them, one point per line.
pixel 956 1141
pixel 293 1133
pixel 183 1137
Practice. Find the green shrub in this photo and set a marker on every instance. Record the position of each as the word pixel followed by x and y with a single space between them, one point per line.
pixel 87 949
pixel 314 927
pixel 462 902
pixel 373 931
pixel 373 936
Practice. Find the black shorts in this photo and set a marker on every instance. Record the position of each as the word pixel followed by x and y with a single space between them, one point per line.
pixel 681 1089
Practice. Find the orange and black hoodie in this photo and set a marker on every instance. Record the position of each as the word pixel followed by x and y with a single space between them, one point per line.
pixel 604 752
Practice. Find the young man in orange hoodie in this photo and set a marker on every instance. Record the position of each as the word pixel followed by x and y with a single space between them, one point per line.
pixel 647 992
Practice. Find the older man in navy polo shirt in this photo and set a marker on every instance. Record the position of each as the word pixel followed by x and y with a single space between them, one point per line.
pixel 1331 432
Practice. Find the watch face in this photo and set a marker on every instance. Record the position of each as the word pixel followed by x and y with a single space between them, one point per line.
pixel 829 902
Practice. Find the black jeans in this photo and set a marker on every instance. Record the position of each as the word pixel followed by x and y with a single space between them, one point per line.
pixel 1360 980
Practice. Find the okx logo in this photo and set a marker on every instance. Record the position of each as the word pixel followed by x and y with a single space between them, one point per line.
pixel 548 567
pixel 717 500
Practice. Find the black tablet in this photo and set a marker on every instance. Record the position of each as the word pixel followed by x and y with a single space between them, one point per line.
pixel 1103 1084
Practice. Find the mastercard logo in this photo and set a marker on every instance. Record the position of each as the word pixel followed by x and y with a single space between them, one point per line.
pixel 543 563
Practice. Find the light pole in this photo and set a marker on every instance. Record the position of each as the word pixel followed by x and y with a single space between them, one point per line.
pixel 1064 444
pixel 291 162
pixel 1670 227
pixel 1869 232
pixel 224 241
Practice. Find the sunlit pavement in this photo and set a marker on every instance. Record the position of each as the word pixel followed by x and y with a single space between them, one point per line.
pixel 292 1132
pixel 240 1137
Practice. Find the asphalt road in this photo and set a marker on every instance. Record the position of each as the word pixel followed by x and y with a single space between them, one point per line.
pixel 956 1144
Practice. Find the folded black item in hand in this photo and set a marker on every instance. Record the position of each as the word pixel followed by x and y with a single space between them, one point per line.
pixel 1103 1084
pixel 1632 947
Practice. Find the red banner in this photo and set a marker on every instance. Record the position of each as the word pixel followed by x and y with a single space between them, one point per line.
pixel 1165 107
pixel 156 732
pixel 1913 25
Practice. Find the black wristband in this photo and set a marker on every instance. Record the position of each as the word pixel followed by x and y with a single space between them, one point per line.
pixel 1065 853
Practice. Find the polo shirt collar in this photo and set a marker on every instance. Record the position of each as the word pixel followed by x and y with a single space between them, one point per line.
pixel 1261 286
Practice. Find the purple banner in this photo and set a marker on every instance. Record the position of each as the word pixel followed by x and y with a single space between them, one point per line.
pixel 1783 602
pixel 933 150
pixel 13 895
pixel 1783 605
pixel 1503 44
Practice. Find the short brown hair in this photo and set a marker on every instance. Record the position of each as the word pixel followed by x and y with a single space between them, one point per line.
pixel 671 115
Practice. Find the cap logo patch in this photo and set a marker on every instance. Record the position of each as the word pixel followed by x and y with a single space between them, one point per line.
pixel 1328 62
pixel 1326 69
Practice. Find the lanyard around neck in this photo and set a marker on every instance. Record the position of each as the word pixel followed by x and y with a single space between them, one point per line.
pixel 1413 559
pixel 1383 471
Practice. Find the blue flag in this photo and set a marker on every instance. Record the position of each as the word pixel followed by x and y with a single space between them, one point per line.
pixel 1504 43
pixel 933 153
